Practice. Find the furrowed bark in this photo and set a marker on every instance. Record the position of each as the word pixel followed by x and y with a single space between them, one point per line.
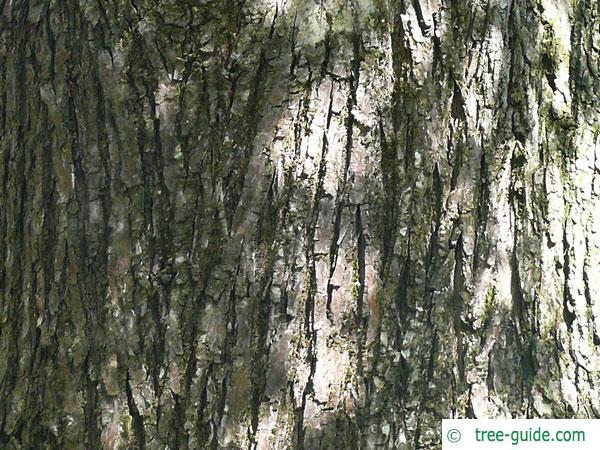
pixel 294 224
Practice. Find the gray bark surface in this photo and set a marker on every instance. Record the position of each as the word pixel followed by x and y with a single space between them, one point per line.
pixel 295 224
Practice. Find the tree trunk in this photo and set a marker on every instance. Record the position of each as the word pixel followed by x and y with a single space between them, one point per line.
pixel 295 224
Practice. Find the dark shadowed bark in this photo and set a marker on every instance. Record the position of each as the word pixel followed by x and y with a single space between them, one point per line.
pixel 298 224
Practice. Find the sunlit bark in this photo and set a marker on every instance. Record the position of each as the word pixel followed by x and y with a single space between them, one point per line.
pixel 295 224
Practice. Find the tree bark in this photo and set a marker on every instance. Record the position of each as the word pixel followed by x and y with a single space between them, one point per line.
pixel 293 224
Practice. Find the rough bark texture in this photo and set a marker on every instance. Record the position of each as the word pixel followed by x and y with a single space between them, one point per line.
pixel 295 224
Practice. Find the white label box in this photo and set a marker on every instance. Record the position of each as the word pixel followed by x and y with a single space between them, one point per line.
pixel 520 434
